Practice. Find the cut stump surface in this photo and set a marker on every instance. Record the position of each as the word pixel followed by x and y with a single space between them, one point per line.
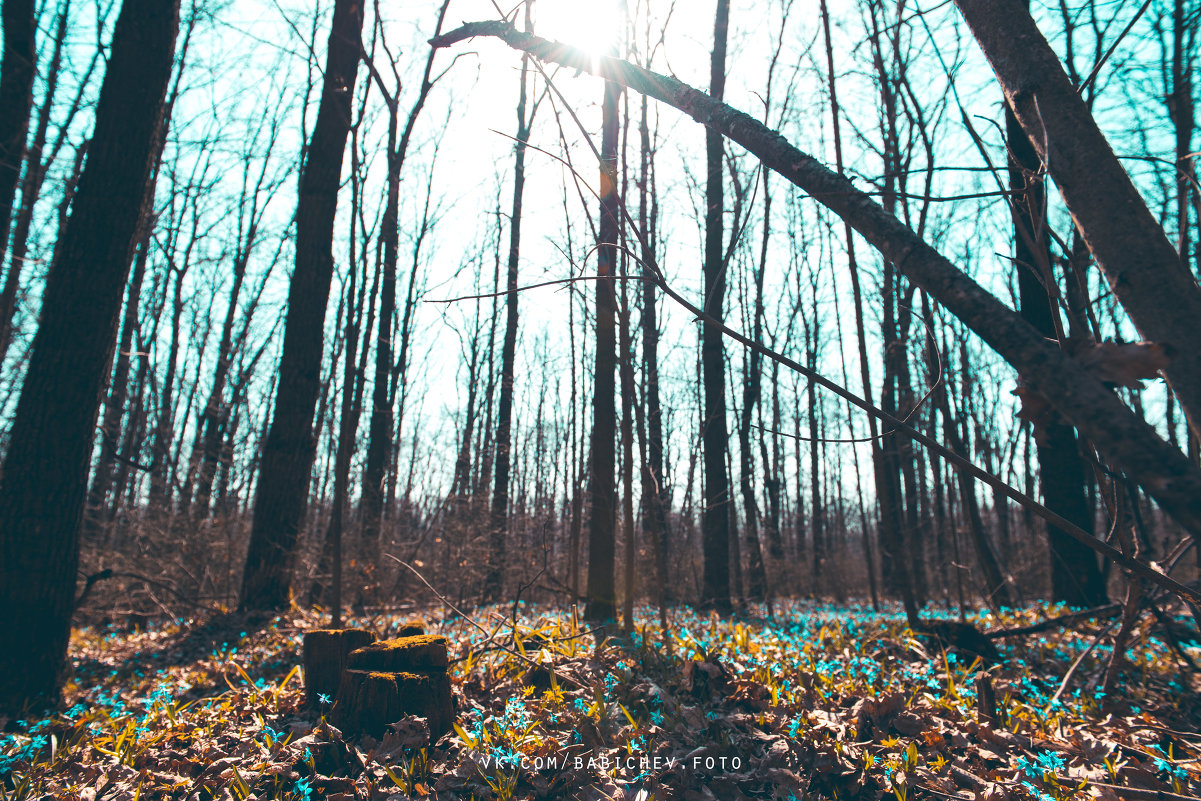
pixel 421 653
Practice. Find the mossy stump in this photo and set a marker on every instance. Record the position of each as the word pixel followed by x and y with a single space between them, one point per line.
pixel 387 680
pixel 411 628
pixel 325 657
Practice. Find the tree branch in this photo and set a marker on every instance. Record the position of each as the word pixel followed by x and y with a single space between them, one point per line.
pixel 1143 269
pixel 1123 437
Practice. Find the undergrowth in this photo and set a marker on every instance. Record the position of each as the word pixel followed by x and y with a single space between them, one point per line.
pixel 814 702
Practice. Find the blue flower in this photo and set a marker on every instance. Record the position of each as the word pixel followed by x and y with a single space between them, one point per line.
pixel 323 699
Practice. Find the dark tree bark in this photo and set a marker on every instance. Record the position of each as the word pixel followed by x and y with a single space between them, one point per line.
pixel 602 522
pixel 628 403
pixel 715 518
pixel 1075 576
pixel 46 469
pixel 654 490
pixel 756 584
pixel 1145 272
pixel 348 426
pixel 498 518
pixel 889 526
pixel 287 456
pixel 17 70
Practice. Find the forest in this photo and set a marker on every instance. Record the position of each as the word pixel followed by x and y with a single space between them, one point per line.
pixel 623 399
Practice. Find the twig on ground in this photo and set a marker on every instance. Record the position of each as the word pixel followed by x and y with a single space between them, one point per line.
pixel 470 620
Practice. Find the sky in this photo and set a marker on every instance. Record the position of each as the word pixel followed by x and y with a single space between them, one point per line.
pixel 250 61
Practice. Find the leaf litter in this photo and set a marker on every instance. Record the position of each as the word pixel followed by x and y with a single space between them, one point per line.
pixel 815 702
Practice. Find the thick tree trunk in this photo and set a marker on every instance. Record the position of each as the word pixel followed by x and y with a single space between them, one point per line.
pixel 46 469
pixel 602 522
pixel 1145 272
pixel 289 448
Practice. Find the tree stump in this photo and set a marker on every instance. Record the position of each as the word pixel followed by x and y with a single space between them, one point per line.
pixel 325 657
pixel 411 628
pixel 385 681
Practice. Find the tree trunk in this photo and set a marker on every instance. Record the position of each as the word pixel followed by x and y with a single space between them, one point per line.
pixel 602 522
pixel 17 71
pixel 379 442
pixel 654 490
pixel 751 393
pixel 1145 272
pixel 498 519
pixel 46 469
pixel 715 517
pixel 287 456
pixel 1075 577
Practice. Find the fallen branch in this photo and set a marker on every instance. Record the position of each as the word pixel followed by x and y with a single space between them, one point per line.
pixel 1109 610
pixel 1125 438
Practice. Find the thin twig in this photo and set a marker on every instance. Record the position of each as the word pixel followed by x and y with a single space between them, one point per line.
pixel 470 620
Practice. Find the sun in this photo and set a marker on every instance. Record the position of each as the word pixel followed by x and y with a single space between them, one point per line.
pixel 593 26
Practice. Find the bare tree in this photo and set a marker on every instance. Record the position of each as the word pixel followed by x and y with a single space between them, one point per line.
pixel 498 520
pixel 45 471
pixel 715 518
pixel 288 451
pixel 602 523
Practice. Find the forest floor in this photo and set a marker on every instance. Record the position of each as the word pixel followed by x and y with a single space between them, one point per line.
pixel 816 702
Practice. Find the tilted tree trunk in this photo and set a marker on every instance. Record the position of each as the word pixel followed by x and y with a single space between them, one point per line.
pixel 715 517
pixel 45 471
pixel 287 455
pixel 602 522
pixel 1121 436
pixel 1143 268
